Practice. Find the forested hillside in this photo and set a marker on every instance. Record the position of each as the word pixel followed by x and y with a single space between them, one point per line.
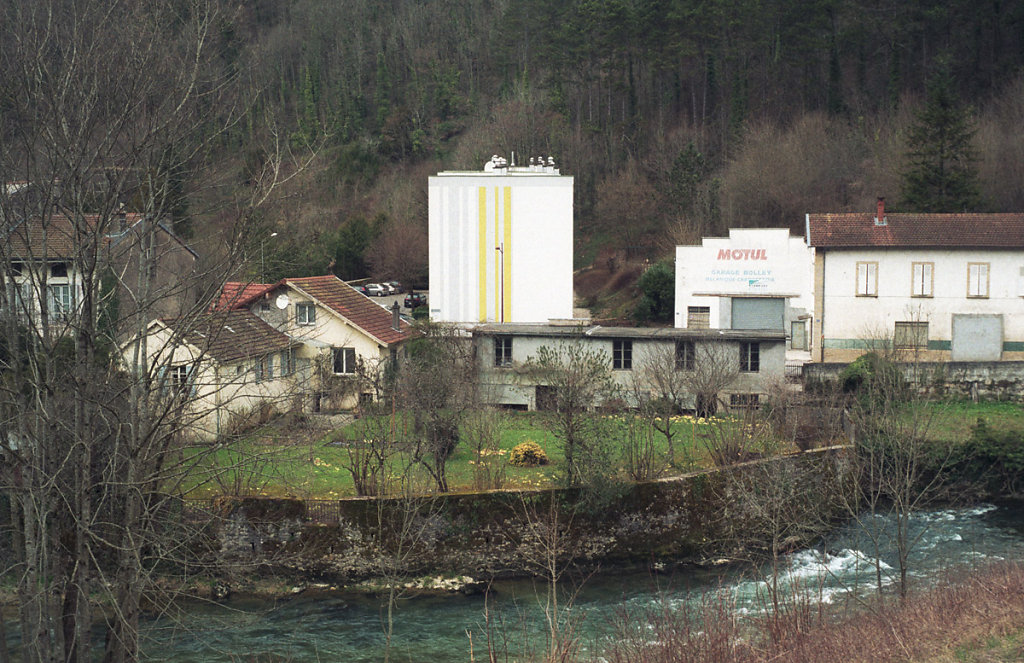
pixel 678 118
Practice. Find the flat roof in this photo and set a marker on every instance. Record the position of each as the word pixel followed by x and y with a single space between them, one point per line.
pixel 600 331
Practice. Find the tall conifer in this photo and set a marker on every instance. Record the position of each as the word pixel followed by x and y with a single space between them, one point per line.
pixel 941 175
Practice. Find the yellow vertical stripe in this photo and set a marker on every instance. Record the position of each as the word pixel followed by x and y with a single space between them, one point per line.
pixel 497 258
pixel 482 232
pixel 507 257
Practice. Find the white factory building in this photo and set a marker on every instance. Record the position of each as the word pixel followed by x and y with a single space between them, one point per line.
pixel 756 278
pixel 938 287
pixel 501 244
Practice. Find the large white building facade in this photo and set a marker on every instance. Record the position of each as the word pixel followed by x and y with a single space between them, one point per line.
pixel 756 278
pixel 501 244
pixel 940 287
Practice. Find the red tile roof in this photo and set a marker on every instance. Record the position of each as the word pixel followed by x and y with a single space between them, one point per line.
pixel 344 300
pixel 57 238
pixel 234 292
pixel 230 335
pixel 354 306
pixel 858 230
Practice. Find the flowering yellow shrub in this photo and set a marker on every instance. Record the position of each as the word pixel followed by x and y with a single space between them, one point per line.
pixel 528 454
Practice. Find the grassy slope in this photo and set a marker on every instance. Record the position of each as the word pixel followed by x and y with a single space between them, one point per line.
pixel 312 464
pixel 283 461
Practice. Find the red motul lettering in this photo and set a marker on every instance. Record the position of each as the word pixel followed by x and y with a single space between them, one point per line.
pixel 742 254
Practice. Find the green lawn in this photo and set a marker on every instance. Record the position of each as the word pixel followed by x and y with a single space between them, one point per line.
pixel 272 462
pixel 281 461
pixel 953 421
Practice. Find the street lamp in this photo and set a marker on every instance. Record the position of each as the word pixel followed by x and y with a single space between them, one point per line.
pixel 263 264
pixel 501 269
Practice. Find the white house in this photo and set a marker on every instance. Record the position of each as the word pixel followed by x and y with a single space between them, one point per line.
pixel 219 368
pixel 756 278
pixel 945 287
pixel 336 329
pixel 42 263
pixel 750 361
pixel 501 244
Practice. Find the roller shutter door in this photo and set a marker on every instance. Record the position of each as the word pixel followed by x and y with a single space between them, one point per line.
pixel 758 313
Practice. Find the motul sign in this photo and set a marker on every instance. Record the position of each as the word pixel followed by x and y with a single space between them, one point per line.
pixel 742 254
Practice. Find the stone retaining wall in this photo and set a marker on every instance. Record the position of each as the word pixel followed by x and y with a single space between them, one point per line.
pixel 503 533
pixel 994 380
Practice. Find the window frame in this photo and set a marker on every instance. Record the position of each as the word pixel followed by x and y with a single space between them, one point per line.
pixel 305 314
pixel 750 357
pixel 622 354
pixel 178 378
pixel 745 401
pixel 912 337
pixel 502 351
pixel 348 360
pixel 869 281
pixel 59 306
pixel 694 314
pixel 988 274
pixel 926 281
pixel 686 355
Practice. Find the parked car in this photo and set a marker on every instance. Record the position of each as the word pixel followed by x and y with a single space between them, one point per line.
pixel 415 300
pixel 375 290
pixel 396 287
pixel 361 289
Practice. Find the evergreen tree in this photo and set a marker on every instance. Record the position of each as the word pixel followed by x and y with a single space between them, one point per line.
pixel 658 285
pixel 941 175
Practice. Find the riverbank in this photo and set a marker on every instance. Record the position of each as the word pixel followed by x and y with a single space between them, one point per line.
pixel 730 513
pixel 975 615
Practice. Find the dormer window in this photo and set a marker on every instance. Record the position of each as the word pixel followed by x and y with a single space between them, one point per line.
pixel 59 270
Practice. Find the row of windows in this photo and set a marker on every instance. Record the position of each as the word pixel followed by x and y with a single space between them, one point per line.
pixel 60 297
pixel 622 355
pixel 269 367
pixel 922 279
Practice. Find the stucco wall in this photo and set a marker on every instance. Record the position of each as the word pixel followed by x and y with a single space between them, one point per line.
pixel 852 323
pixel 765 262
pixel 510 386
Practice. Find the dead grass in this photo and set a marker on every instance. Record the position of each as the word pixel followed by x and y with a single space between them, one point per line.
pixel 977 620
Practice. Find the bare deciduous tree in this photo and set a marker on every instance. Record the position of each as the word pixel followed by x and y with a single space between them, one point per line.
pixel 713 366
pixel 660 388
pixel 437 383
pixel 109 109
pixel 579 378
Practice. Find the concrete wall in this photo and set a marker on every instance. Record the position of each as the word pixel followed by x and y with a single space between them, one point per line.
pixel 509 386
pixel 529 216
pixel 499 533
pixel 851 324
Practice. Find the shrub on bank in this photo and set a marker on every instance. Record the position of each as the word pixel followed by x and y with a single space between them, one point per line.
pixel 528 454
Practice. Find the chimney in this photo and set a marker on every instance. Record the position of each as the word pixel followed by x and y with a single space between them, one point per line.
pixel 880 219
pixel 396 320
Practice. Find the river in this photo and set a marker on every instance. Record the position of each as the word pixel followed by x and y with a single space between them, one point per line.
pixel 320 628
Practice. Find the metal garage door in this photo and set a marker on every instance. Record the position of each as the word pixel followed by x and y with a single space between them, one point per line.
pixel 758 313
pixel 977 338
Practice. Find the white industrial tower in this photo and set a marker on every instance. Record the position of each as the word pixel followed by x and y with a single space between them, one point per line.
pixel 501 244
